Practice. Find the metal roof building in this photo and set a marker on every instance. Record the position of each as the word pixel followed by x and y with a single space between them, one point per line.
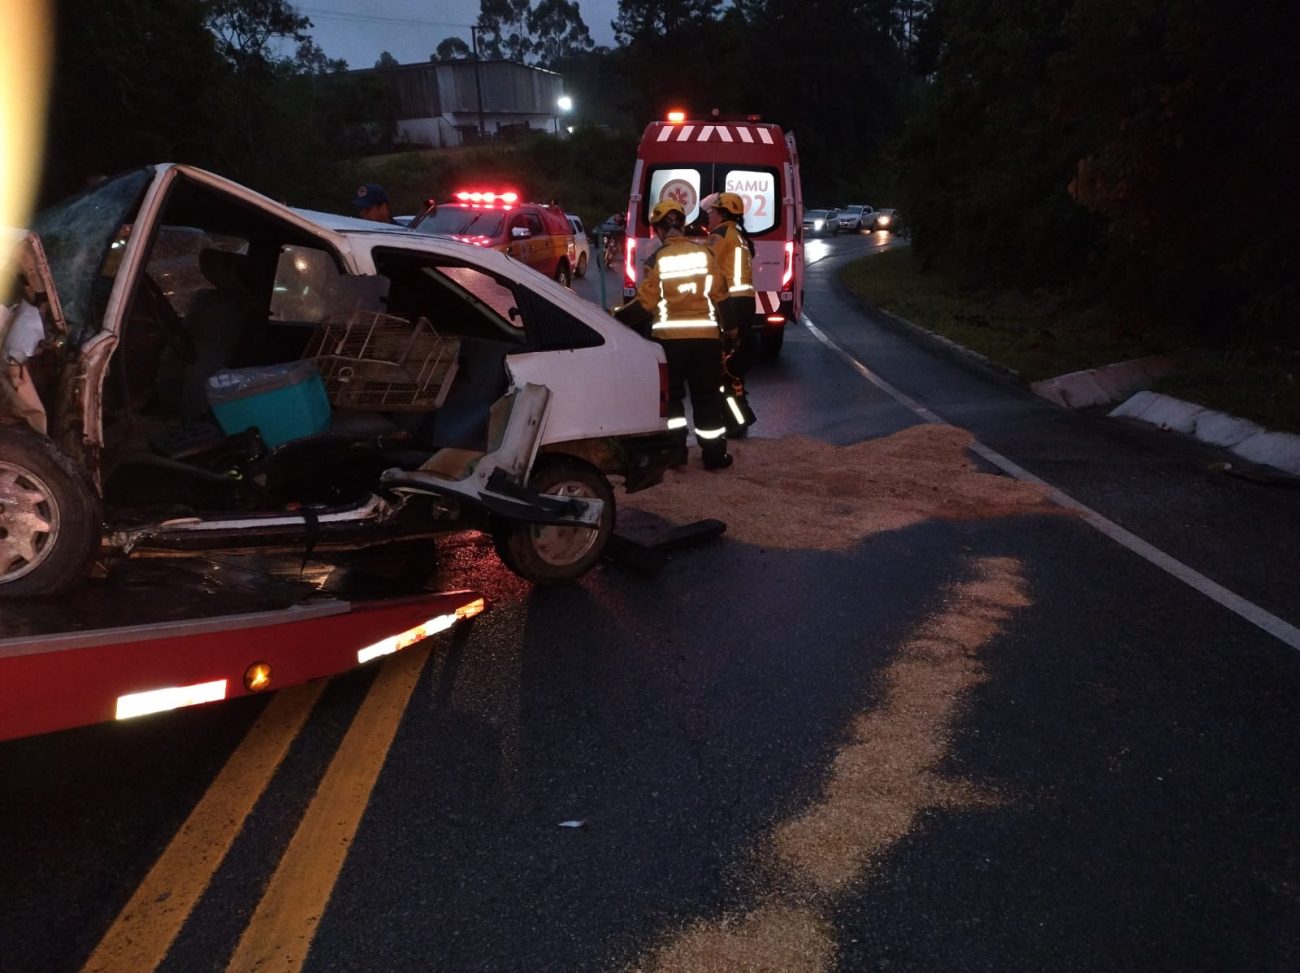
pixel 443 103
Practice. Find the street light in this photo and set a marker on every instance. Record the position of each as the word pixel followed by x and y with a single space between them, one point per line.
pixel 565 104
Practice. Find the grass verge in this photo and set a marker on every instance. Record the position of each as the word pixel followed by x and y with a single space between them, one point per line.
pixel 1045 334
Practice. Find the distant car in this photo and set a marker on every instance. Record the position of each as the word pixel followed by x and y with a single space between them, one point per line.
pixel 582 244
pixel 821 222
pixel 856 217
pixel 885 219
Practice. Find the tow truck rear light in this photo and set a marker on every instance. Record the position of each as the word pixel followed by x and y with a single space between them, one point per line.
pixel 676 117
pixel 629 262
pixel 173 697
pixel 257 677
pixel 418 633
pixel 787 274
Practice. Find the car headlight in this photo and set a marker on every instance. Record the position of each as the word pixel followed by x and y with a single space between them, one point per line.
pixel 818 224
pixel 884 221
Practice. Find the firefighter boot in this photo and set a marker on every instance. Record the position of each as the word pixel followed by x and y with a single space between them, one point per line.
pixel 715 453
pixel 680 453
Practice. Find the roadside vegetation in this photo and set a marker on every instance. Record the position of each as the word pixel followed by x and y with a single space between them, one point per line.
pixel 1047 333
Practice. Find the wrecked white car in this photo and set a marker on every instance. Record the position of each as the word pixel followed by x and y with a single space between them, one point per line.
pixel 217 372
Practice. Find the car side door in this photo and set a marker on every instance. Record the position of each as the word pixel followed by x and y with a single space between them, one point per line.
pixel 520 245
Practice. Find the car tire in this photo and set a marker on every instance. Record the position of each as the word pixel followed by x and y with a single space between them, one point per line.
pixel 770 341
pixel 50 517
pixel 562 274
pixel 548 554
pixel 582 266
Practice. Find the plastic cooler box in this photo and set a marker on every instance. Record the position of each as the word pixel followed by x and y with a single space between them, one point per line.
pixel 283 402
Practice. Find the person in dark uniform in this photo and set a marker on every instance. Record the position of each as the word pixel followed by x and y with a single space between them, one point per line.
pixel 371 203
pixel 681 291
pixel 725 213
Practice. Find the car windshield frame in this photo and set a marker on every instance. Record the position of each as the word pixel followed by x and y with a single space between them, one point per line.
pixel 468 223
pixel 81 235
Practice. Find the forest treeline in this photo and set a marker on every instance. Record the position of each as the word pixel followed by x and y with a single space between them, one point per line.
pixel 1143 152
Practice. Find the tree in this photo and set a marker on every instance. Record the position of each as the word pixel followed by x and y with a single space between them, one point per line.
pixel 506 25
pixel 643 20
pixel 452 49
pixel 244 28
pixel 1189 110
pixel 558 31
pixel 386 60
pixel 988 160
pixel 116 103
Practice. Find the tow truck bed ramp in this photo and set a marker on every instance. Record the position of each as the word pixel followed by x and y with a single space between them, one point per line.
pixel 165 635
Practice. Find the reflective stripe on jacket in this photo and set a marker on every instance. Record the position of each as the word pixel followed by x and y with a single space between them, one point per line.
pixel 734 259
pixel 682 289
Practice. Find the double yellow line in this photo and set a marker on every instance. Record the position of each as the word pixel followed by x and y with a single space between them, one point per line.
pixel 281 930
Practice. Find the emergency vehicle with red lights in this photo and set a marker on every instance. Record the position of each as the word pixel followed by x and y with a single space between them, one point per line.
pixel 687 160
pixel 533 233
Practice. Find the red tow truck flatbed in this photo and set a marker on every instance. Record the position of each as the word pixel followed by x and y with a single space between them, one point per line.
pixel 157 635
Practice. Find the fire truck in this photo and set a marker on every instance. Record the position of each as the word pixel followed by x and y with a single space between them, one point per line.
pixel 687 160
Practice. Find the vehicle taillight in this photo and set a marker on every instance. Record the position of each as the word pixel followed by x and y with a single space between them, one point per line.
pixel 629 262
pixel 776 319
pixel 663 390
pixel 787 274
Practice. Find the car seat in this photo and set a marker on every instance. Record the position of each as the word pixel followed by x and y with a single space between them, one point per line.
pixel 222 320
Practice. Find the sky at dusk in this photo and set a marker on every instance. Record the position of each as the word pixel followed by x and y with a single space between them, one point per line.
pixel 410 30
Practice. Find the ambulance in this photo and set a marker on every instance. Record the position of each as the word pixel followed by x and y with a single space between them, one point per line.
pixel 687 160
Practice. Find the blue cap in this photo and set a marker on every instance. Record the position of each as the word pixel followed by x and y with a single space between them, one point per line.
pixel 371 194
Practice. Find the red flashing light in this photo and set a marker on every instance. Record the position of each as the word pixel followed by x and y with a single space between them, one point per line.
pixel 629 262
pixel 776 319
pixel 787 275
pixel 481 198
pixel 676 117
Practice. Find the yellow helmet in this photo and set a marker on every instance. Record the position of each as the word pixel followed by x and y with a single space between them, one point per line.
pixel 730 203
pixel 663 208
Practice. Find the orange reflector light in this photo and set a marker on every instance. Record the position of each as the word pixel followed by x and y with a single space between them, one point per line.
pixel 419 633
pixel 676 117
pixel 257 677
pixel 476 607
pixel 174 697
pixel 775 318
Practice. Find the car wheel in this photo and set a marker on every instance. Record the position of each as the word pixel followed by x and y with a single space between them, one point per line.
pixel 770 341
pixel 551 554
pixel 49 517
pixel 562 275
pixel 582 266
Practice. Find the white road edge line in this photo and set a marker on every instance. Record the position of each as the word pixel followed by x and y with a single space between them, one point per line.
pixel 1257 616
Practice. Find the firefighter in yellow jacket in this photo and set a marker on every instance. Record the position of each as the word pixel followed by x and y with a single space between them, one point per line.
pixel 725 213
pixel 681 289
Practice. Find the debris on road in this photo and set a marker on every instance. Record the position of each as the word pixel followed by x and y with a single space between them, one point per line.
pixel 795 493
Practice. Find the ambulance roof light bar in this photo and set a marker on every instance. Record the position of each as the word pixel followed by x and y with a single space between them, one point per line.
pixel 676 117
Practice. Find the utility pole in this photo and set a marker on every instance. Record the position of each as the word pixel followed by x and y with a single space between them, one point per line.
pixel 478 81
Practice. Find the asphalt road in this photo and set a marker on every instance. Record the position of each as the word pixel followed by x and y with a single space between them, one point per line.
pixel 963 744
